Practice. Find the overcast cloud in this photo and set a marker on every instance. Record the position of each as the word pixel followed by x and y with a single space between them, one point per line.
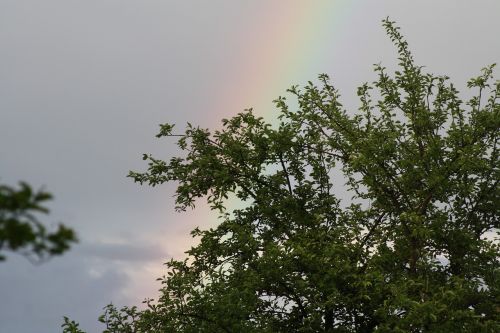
pixel 84 85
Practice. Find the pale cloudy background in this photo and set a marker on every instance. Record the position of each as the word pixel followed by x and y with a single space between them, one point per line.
pixel 84 85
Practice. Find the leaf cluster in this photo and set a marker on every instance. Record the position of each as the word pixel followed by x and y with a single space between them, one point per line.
pixel 20 229
pixel 412 250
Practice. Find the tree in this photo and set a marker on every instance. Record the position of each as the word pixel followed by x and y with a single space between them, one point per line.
pixel 20 229
pixel 413 249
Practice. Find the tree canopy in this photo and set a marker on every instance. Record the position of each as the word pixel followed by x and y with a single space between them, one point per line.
pixel 20 229
pixel 411 248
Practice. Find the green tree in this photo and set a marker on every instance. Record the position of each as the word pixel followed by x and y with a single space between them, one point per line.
pixel 20 229
pixel 412 250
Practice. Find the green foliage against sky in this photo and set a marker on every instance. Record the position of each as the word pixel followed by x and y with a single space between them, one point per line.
pixel 413 247
pixel 20 229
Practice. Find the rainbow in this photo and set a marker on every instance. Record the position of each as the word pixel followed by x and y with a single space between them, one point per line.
pixel 282 49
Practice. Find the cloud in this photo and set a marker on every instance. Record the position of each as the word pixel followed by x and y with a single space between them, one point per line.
pixel 122 252
pixel 78 285
pixel 34 298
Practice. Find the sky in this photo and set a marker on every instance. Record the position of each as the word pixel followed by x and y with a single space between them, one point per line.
pixel 84 85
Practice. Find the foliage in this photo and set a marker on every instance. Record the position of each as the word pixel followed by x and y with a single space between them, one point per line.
pixel 412 250
pixel 71 326
pixel 20 230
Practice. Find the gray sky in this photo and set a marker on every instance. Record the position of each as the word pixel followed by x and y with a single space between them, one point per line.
pixel 84 85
